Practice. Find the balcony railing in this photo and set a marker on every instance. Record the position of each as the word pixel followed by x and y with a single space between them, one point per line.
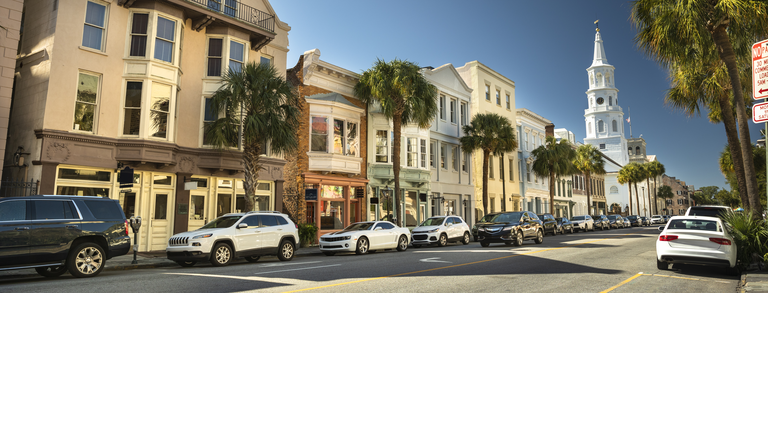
pixel 236 9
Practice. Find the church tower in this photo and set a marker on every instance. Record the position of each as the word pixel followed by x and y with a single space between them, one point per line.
pixel 604 118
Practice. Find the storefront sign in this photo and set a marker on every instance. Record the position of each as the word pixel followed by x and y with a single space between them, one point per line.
pixel 126 177
pixel 310 194
pixel 183 208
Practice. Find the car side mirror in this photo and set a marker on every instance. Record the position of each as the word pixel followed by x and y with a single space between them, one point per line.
pixel 378 229
pixel 242 225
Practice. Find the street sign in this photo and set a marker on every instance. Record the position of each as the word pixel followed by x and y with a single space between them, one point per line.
pixel 760 112
pixel 760 70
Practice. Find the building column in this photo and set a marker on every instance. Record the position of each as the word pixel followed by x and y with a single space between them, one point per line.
pixel 181 205
pixel 48 178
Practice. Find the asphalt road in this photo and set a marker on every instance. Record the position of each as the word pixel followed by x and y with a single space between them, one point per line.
pixel 614 261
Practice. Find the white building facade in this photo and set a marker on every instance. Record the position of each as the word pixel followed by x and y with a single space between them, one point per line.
pixel 530 135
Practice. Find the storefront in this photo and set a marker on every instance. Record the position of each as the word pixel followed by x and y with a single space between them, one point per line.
pixel 333 202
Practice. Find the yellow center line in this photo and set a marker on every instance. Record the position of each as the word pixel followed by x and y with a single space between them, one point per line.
pixel 450 266
pixel 622 283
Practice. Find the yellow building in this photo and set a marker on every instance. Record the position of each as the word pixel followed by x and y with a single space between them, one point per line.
pixel 493 93
pixel 103 85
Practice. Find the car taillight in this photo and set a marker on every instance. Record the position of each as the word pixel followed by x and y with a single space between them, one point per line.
pixel 720 241
pixel 668 237
pixel 126 227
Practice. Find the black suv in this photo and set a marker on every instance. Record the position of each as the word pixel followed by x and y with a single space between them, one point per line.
pixel 510 228
pixel 56 233
pixel 602 222
pixel 549 222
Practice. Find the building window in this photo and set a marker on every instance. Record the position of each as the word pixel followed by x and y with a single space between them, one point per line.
pixel 338 136
pixel 442 107
pixel 266 61
pixel 95 26
pixel 602 146
pixel 87 102
pixel 139 35
pixel 433 154
pixel 236 56
pixel 208 118
pixel 498 97
pixel 161 104
pixel 453 111
pixel 615 126
pixel 589 128
pixel 443 156
pixel 214 57
pixel 490 167
pixel 528 173
pixel 637 151
pixel 493 204
pixel 487 92
pixel 600 126
pixel 629 150
pixel 455 157
pixel 412 152
pixel 610 98
pixel 465 164
pixel 164 41
pixel 320 134
pixel 132 106
pixel 463 113
pixel 423 154
pixel 511 170
pixel 509 103
pixel 382 147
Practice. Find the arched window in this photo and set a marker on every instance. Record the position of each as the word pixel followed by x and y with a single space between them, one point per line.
pixel 614 190
pixel 630 151
pixel 589 128
pixel 600 126
pixel 615 126
pixel 610 100
pixel 608 76
pixel 599 78
pixel 637 150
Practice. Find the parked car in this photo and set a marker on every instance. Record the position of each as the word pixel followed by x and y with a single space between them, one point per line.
pixel 634 220
pixel 666 218
pixel 364 237
pixel 627 223
pixel 616 221
pixel 549 222
pixel 54 234
pixel 564 225
pixel 485 218
pixel 696 240
pixel 708 210
pixel 440 230
pixel 510 228
pixel 248 235
pixel 646 221
pixel 583 223
pixel 657 219
pixel 602 222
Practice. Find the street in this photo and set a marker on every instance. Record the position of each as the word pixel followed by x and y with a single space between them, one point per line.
pixel 615 261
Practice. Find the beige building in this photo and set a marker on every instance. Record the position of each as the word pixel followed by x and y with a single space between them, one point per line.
pixel 10 20
pixel 103 85
pixel 493 93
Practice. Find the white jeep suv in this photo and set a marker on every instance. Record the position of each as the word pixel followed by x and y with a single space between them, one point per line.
pixel 236 235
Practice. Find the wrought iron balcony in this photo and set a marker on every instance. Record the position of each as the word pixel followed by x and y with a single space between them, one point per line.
pixel 243 12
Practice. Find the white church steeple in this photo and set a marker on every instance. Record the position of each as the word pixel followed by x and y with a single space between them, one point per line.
pixel 603 117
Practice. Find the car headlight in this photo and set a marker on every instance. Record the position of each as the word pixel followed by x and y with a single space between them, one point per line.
pixel 509 228
pixel 433 230
pixel 346 237
pixel 202 236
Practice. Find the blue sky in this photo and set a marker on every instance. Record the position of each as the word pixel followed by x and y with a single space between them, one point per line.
pixel 545 47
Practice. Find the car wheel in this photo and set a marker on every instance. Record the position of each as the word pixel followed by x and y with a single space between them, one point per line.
pixel 539 237
pixel 465 240
pixel 402 243
pixel 253 258
pixel 51 271
pixel 443 240
pixel 186 263
pixel 329 253
pixel 362 246
pixel 554 231
pixel 221 255
pixel 519 238
pixel 86 260
pixel 484 244
pixel 662 265
pixel 285 251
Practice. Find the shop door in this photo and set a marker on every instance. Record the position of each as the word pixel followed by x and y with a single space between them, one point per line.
pixel 160 226
pixel 197 214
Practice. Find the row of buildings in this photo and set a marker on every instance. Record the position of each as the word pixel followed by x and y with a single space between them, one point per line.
pixel 90 87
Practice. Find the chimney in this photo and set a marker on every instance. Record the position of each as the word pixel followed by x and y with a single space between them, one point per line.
pixel 549 130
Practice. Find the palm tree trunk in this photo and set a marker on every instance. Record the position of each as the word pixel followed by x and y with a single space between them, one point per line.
pixel 396 124
pixel 732 134
pixel 629 188
pixel 648 183
pixel 589 192
pixel 638 199
pixel 655 198
pixel 251 167
pixel 551 193
pixel 486 156
pixel 725 49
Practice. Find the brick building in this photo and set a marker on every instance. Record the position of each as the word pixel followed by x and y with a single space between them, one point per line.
pixel 680 202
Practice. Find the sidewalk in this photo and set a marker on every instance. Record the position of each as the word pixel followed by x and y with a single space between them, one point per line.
pixel 144 260
pixel 754 281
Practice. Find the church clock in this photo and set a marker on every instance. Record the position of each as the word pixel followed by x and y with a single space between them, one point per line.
pixel 600 101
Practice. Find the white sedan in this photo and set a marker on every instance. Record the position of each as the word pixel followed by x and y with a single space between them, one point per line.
pixel 696 240
pixel 440 230
pixel 362 237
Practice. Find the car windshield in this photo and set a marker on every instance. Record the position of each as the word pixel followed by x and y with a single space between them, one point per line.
pixel 221 222
pixel 360 226
pixel 693 224
pixel 613 217
pixel 561 219
pixel 504 217
pixel 433 221
pixel 707 211
pixel 578 218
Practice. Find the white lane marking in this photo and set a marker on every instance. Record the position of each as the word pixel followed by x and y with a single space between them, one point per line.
pixel 287 264
pixel 433 260
pixel 297 269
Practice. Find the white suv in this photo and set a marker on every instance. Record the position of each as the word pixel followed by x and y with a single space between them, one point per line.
pixel 236 235
pixel 440 230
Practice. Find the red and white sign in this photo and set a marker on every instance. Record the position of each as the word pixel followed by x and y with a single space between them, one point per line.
pixel 760 70
pixel 760 112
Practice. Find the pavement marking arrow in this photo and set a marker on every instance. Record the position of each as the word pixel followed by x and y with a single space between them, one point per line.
pixel 433 260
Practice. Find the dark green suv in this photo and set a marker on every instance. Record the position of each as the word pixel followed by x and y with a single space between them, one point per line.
pixel 56 233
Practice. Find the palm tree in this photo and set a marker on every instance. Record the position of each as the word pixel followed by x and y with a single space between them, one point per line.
pixel 553 159
pixel 637 174
pixel 260 105
pixel 654 169
pixel 405 97
pixel 625 178
pixel 589 161
pixel 667 28
pixel 494 135
pixel 665 193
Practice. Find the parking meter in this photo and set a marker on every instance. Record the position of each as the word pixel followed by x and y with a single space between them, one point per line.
pixel 135 222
